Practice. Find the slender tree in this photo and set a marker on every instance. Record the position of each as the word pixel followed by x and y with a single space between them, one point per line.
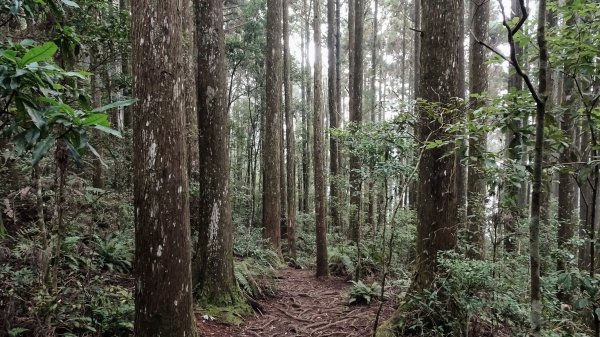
pixel 356 117
pixel 271 136
pixel 332 101
pixel 319 165
pixel 478 83
pixel 510 200
pixel 189 64
pixel 163 294
pixel 413 195
pixel 536 190
pixel 290 138
pixel 567 186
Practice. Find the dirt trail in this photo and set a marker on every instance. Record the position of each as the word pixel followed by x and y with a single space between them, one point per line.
pixel 305 306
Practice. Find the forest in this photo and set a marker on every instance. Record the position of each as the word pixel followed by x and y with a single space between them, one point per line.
pixel 299 168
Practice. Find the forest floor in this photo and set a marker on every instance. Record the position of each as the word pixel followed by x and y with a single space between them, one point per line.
pixel 304 306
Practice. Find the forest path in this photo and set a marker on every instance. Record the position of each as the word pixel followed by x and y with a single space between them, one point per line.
pixel 305 306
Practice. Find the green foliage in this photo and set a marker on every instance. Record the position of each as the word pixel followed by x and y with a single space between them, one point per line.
pixel 255 265
pixel 385 148
pixel 361 293
pixel 35 94
pixel 115 251
pixel 340 260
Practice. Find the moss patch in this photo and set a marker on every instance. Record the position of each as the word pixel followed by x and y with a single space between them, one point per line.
pixel 230 307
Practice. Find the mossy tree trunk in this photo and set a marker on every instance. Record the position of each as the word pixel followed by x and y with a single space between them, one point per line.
pixel 214 282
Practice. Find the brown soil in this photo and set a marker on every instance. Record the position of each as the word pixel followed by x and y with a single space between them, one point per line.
pixel 304 306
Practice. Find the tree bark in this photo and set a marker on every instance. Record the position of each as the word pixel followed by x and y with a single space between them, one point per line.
pixel 271 143
pixel 189 64
pixel 510 196
pixel 163 294
pixel 441 79
pixel 320 207
pixel 332 101
pixel 356 74
pixel 567 184
pixel 290 140
pixel 478 82
pixel 536 192
pixel 214 282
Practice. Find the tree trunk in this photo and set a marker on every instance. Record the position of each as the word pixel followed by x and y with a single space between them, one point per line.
pixel 97 179
pixel 189 64
pixel 308 99
pixel 214 282
pixel 126 71
pixel 412 191
pixel 586 203
pixel 356 74
pixel 290 140
pixel 512 197
pixel 271 136
pixel 536 192
pixel 440 82
pixel 461 169
pixel 163 294
pixel 319 165
pixel 332 100
pixel 567 184
pixel 478 82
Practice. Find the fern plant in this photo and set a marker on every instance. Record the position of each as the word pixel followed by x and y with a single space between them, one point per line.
pixel 115 252
pixel 361 293
pixel 340 262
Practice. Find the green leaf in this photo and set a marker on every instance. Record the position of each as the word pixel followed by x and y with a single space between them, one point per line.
pixel 108 130
pixel 96 119
pixel 582 303
pixel 77 74
pixel 95 152
pixel 41 149
pixel 32 135
pixel 15 6
pixel 70 3
pixel 36 116
pixel 16 331
pixel 39 53
pixel 113 105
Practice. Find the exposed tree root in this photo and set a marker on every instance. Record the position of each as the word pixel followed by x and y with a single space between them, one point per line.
pixel 304 306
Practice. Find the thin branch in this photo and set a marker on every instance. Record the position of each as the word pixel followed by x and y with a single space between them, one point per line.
pixel 513 55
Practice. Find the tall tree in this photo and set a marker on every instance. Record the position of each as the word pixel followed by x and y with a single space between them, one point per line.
pixel 319 165
pixel 163 294
pixel 290 140
pixel 306 83
pixel 567 186
pixel 356 74
pixel 213 261
pixel 271 134
pixel 441 77
pixel 510 195
pixel 413 195
pixel 536 190
pixel 332 101
pixel 478 83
